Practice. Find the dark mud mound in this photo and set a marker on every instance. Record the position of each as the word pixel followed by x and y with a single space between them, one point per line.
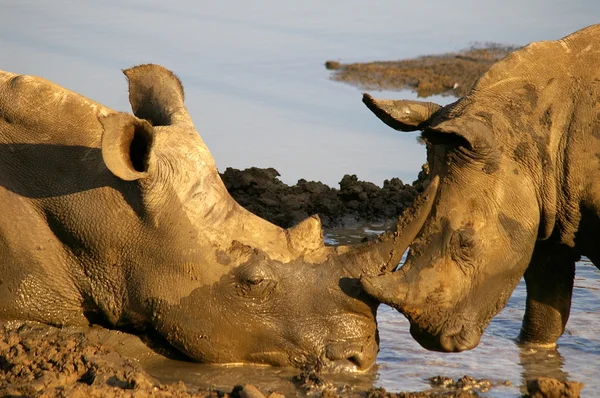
pixel 262 193
pixel 446 74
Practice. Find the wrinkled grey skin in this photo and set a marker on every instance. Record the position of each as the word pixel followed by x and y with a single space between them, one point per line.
pixel 519 195
pixel 121 219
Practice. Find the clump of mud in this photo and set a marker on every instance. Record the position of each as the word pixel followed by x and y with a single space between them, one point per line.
pixel 262 193
pixel 312 383
pixel 446 74
pixel 546 387
pixel 43 361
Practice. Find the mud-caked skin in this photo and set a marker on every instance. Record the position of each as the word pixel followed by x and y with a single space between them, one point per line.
pixel 519 195
pixel 123 219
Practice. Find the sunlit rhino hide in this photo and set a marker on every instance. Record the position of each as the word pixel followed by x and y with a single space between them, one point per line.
pixel 518 162
pixel 122 219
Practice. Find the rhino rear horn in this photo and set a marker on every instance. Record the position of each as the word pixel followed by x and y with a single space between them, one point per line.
pixel 402 115
pixel 306 236
pixel 126 145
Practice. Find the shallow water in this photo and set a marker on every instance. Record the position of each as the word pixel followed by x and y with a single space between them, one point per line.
pixel 260 96
pixel 404 365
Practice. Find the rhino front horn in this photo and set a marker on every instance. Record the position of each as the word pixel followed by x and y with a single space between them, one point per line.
pixel 383 254
pixel 389 287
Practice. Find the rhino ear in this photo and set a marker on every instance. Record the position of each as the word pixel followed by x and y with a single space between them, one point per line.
pixel 473 133
pixel 126 145
pixel 156 95
pixel 402 115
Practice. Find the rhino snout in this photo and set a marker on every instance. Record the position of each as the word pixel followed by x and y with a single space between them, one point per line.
pixel 352 356
pixel 459 337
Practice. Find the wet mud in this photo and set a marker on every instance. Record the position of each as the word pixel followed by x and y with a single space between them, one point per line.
pixel 263 193
pixel 446 74
pixel 44 361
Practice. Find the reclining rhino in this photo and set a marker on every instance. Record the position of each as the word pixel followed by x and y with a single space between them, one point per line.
pixel 519 195
pixel 123 220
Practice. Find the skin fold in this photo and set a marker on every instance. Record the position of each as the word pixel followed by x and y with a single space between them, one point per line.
pixel 518 165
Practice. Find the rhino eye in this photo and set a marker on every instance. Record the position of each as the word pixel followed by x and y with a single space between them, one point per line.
pixel 463 245
pixel 256 280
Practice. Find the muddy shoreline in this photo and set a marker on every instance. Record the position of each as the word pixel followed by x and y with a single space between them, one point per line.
pixel 446 74
pixel 43 361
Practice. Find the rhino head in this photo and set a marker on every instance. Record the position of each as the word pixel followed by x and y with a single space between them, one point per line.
pixel 517 196
pixel 476 243
pixel 160 243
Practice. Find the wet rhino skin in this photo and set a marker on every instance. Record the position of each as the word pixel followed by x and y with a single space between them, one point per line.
pixel 122 219
pixel 519 164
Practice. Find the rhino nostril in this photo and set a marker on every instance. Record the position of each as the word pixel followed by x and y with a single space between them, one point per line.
pixel 350 356
pixel 356 360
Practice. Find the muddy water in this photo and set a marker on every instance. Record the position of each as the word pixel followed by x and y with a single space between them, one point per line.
pixel 402 365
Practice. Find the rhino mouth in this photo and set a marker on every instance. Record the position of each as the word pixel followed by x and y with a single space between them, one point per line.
pixel 355 355
pixel 453 336
pixel 349 357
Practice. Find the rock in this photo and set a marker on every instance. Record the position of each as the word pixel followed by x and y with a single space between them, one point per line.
pixel 546 387
pixel 261 192
pixel 251 391
pixel 332 65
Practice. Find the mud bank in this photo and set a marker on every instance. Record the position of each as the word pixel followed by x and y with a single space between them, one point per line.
pixel 261 192
pixel 446 74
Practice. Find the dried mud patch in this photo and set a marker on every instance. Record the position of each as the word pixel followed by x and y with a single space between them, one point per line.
pixel 446 74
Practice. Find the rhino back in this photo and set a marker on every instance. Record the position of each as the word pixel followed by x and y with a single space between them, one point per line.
pixel 35 110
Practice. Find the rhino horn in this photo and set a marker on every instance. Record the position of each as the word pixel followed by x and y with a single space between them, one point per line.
pixel 402 115
pixel 306 236
pixel 382 255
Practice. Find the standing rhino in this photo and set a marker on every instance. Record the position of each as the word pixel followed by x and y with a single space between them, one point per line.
pixel 123 220
pixel 518 160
